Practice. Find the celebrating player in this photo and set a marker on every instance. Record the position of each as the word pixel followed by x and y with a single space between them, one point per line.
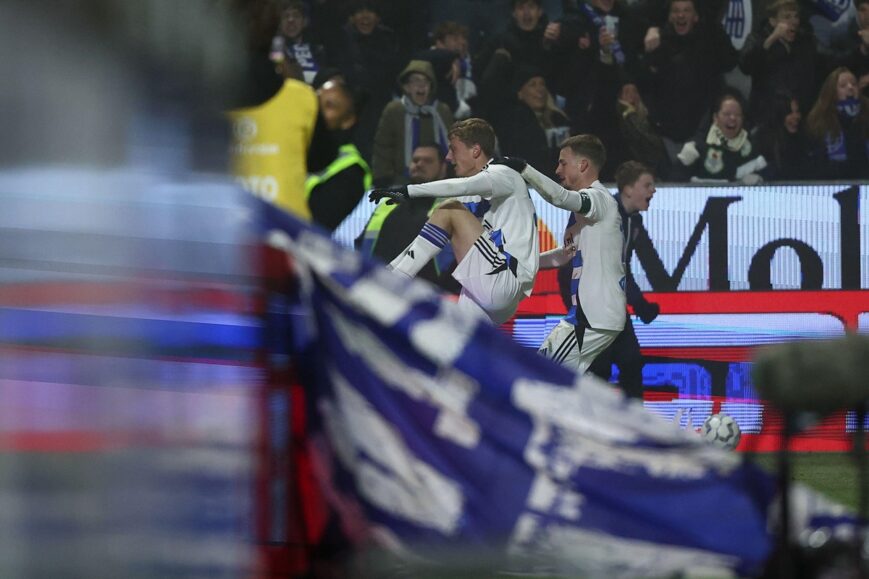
pixel 497 259
pixel 636 184
pixel 593 240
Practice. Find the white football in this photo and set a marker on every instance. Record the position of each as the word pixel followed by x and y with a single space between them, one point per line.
pixel 721 430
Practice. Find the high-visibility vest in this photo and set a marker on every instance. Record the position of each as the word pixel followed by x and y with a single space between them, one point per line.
pixel 372 230
pixel 348 155
pixel 270 146
pixel 374 225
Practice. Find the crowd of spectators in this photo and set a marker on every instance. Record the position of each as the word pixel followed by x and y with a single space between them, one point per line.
pixel 721 90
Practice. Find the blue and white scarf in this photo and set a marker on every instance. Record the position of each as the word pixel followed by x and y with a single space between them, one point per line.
pixel 413 115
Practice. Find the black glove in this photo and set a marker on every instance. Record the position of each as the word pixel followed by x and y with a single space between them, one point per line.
pixel 647 311
pixel 514 163
pixel 392 195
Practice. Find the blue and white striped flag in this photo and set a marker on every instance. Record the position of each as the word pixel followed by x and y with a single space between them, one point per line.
pixel 442 435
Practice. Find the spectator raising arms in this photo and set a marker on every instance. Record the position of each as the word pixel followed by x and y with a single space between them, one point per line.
pixel 781 56
pixel 604 37
pixel 449 60
pixel 680 69
pixel 529 39
pixel 838 126
pixel 453 37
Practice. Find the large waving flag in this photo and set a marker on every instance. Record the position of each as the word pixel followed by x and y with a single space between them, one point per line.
pixel 437 434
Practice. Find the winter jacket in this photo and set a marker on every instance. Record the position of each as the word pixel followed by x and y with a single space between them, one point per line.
pixel 680 79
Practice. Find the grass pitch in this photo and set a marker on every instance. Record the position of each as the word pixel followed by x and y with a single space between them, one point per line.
pixel 833 474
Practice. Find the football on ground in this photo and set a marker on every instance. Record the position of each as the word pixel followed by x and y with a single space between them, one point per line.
pixel 721 430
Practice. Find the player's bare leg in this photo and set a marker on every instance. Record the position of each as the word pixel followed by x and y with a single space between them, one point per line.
pixel 461 225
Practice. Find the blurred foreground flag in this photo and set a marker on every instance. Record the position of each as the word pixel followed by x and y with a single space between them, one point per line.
pixel 441 442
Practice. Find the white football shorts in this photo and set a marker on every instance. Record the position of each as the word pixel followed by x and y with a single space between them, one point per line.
pixel 576 347
pixel 489 282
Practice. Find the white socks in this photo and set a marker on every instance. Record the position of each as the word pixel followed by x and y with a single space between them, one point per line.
pixel 428 243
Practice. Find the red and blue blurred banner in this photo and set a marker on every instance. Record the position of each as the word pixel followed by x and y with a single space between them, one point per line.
pixel 130 378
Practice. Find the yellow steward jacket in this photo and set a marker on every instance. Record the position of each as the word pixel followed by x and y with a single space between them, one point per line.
pixel 270 146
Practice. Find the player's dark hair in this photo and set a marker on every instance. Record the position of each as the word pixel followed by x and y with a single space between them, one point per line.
pixel 587 146
pixel 474 131
pixel 629 173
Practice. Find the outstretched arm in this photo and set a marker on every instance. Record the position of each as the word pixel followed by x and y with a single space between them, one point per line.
pixel 555 194
pixel 587 202
pixel 551 191
pixel 479 184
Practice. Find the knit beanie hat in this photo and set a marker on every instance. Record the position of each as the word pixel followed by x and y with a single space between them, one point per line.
pixel 523 74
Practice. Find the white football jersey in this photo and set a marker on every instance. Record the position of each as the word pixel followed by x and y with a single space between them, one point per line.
pixel 601 288
pixel 602 280
pixel 510 221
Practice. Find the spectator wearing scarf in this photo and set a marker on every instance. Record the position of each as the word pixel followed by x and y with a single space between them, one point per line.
pixel 726 153
pixel 405 123
pixel 838 126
